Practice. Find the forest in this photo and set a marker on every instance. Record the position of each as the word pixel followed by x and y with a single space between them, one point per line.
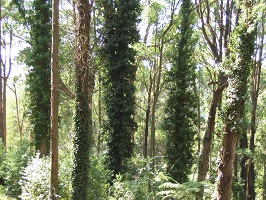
pixel 132 99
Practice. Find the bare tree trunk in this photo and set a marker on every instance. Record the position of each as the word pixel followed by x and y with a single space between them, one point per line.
pixel 54 100
pixel 2 135
pixel 227 155
pixel 99 142
pixel 217 43
pixel 157 83
pixel 19 120
pixel 5 78
pixel 264 180
pixel 147 119
pixel 207 140
pixel 152 139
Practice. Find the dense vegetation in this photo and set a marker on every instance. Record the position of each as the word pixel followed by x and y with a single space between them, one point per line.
pixel 157 100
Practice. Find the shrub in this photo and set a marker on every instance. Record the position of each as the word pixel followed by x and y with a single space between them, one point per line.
pixel 136 183
pixel 170 189
pixel 35 180
pixel 11 163
pixel 98 178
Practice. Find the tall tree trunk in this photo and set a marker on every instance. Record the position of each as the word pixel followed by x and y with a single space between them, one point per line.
pixel 54 100
pixel 83 125
pixel 152 139
pixel 157 83
pixel 217 43
pixel 2 135
pixel 99 142
pixel 6 74
pixel 255 87
pixel 207 140
pixel 237 92
pixel 147 119
pixel 264 180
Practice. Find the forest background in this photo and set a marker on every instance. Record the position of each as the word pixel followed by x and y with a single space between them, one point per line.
pixel 132 99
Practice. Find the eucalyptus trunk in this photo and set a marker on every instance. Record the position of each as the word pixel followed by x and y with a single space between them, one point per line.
pixel 217 44
pixel 54 101
pixel 2 135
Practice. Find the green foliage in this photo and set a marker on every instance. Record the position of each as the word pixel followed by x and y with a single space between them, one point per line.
pixel 181 104
pixel 35 180
pixel 135 183
pixel 98 178
pixel 187 190
pixel 120 34
pixel 11 164
pixel 3 196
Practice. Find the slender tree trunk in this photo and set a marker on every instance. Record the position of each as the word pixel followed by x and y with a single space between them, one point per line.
pixel 99 113
pixel 147 119
pixel 19 121
pixel 152 139
pixel 250 177
pixel 4 106
pixel 5 78
pixel 54 100
pixel 243 144
pixel 198 114
pixel 157 84
pixel 2 135
pixel 264 180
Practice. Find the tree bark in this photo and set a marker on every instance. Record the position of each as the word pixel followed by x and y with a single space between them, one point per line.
pixel 147 119
pixel 54 100
pixel 264 180
pixel 2 135
pixel 217 44
pixel 99 142
pixel 225 167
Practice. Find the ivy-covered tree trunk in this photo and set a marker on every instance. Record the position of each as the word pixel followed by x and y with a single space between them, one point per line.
pixel 243 50
pixel 121 32
pixel 38 79
pixel 182 103
pixel 83 129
